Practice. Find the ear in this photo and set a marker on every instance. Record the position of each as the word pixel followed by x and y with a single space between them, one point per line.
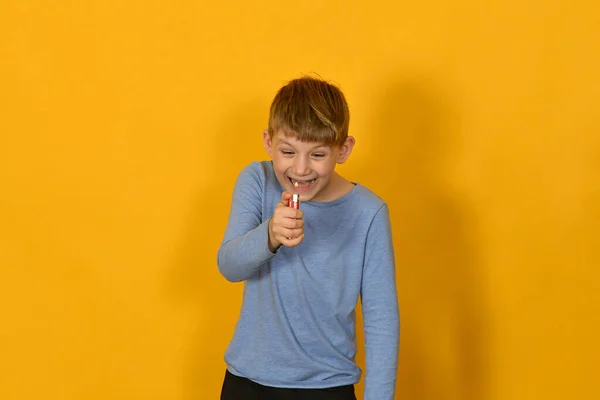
pixel 346 150
pixel 268 142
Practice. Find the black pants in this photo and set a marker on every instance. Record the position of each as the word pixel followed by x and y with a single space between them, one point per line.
pixel 237 388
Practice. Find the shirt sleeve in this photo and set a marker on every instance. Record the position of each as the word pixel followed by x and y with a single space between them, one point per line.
pixel 380 310
pixel 245 248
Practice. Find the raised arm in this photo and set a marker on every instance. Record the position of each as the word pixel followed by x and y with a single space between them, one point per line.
pixel 244 248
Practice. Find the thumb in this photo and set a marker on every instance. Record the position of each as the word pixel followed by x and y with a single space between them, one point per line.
pixel 285 196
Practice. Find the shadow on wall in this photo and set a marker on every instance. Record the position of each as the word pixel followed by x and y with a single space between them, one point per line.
pixel 441 284
pixel 195 280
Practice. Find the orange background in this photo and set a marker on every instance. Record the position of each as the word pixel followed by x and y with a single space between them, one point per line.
pixel 124 124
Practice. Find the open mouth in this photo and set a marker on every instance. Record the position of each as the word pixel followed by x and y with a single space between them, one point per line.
pixel 302 184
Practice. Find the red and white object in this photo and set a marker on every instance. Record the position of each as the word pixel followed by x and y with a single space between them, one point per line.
pixel 294 202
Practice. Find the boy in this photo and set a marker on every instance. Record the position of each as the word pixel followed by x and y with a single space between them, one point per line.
pixel 304 269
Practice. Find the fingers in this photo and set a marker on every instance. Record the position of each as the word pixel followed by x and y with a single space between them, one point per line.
pixel 288 212
pixel 289 222
pixel 285 233
pixel 287 225
pixel 292 242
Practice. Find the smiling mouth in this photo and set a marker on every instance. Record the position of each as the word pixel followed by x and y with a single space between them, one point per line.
pixel 302 184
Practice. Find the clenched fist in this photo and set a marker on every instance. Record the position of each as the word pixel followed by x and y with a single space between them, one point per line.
pixel 286 227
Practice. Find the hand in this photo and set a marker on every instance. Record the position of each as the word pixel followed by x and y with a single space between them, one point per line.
pixel 286 227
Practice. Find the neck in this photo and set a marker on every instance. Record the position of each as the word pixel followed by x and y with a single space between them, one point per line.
pixel 338 187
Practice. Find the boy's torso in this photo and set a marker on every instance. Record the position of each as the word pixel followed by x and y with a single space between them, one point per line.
pixel 298 310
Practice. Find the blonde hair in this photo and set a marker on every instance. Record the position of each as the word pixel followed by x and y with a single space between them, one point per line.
pixel 312 110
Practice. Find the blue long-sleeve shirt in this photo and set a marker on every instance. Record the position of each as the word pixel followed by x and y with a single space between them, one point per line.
pixel 297 322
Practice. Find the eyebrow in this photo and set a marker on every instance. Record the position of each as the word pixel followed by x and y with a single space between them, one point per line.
pixel 291 145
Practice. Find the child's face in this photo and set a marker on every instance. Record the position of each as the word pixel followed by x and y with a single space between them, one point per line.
pixel 305 168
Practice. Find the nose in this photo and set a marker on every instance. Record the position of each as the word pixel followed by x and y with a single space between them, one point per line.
pixel 300 167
